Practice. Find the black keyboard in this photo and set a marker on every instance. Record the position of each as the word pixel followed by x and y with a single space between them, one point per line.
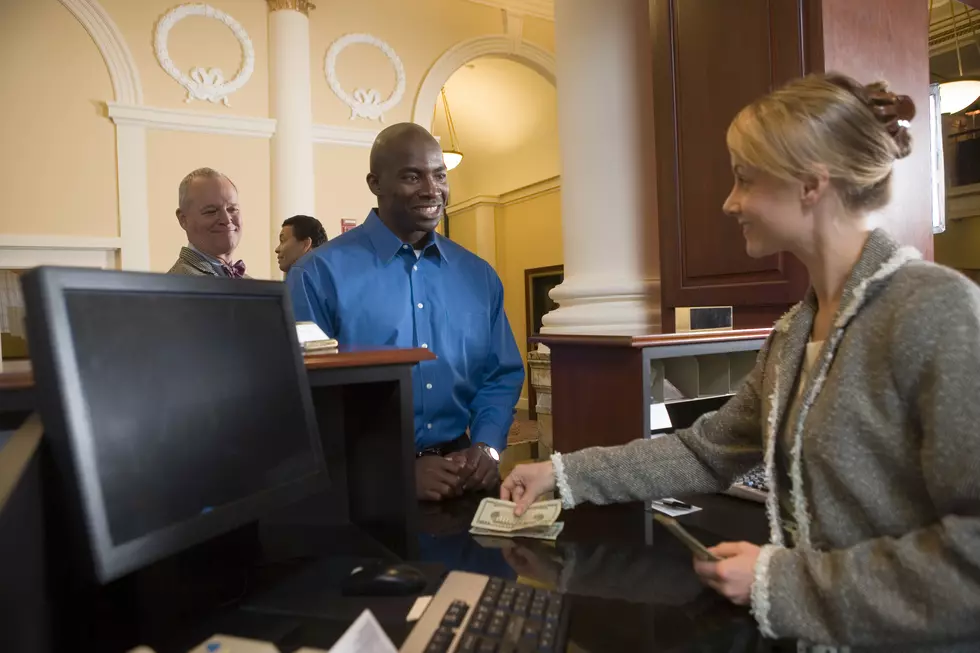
pixel 751 486
pixel 479 614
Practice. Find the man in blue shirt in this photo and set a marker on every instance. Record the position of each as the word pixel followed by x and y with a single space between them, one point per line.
pixel 395 281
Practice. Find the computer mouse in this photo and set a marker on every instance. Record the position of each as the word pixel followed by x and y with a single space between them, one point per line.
pixel 384 580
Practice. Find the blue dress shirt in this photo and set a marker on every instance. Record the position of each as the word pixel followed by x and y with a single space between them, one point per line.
pixel 368 288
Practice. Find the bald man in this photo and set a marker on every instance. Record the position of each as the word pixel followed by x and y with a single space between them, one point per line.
pixel 395 281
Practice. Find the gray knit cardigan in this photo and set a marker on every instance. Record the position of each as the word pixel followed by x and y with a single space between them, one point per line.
pixel 884 463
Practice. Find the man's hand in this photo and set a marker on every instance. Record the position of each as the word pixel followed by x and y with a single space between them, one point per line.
pixel 479 469
pixel 438 478
pixel 734 576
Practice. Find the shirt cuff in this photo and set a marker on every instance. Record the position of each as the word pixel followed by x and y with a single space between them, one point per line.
pixel 490 438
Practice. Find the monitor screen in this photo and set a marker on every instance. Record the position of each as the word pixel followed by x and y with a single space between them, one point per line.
pixel 189 406
pixel 187 411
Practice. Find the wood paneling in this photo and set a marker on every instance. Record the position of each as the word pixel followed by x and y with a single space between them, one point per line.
pixel 710 59
pixel 886 39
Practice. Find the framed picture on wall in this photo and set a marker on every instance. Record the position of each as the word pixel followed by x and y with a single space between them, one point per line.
pixel 538 283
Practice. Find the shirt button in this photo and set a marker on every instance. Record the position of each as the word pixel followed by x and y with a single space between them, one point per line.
pixel 415 267
pixel 428 426
pixel 404 246
pixel 425 346
pixel 428 386
pixel 420 305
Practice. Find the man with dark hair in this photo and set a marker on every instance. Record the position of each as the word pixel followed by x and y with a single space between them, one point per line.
pixel 299 234
pixel 395 281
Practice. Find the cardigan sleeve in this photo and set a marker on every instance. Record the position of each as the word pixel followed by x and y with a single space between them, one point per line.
pixel 923 586
pixel 704 458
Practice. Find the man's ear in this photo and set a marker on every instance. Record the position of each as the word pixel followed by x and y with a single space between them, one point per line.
pixel 307 244
pixel 374 184
pixel 181 219
pixel 814 186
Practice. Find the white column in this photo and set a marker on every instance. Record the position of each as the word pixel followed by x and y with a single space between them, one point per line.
pixel 291 106
pixel 608 192
pixel 134 212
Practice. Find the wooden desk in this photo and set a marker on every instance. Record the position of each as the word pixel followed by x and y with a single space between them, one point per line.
pixel 365 412
pixel 602 387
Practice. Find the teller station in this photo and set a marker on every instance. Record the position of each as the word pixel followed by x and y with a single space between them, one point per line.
pixel 172 467
pixel 189 457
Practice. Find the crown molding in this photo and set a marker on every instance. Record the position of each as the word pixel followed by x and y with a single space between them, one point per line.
pixel 523 194
pixel 538 8
pixel 191 121
pixel 339 135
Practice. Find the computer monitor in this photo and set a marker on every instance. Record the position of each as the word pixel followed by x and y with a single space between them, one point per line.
pixel 176 408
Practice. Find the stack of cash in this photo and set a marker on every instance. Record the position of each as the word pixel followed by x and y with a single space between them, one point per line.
pixel 495 518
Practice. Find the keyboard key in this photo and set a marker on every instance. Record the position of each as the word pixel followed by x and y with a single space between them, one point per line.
pixel 455 614
pixel 532 629
pixel 487 646
pixel 527 646
pixel 546 644
pixel 479 621
pixel 554 611
pixel 468 643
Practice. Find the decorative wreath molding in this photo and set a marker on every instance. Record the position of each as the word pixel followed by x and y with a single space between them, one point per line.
pixel 204 83
pixel 364 103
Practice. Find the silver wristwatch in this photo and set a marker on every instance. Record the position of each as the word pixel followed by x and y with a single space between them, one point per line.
pixel 489 451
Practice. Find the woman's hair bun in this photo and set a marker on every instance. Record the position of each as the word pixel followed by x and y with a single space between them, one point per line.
pixel 894 112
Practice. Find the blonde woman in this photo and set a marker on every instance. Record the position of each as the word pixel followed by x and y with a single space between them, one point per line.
pixel 864 404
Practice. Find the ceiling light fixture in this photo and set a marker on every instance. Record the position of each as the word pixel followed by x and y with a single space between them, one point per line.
pixel 957 95
pixel 453 157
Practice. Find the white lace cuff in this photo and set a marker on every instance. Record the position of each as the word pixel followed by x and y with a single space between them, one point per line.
pixel 561 482
pixel 760 590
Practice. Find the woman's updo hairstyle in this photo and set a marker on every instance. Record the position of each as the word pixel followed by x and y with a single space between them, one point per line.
pixel 856 132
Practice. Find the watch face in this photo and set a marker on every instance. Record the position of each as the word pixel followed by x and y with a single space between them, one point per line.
pixel 492 453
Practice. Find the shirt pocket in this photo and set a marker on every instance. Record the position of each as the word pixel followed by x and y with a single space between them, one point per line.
pixel 475 340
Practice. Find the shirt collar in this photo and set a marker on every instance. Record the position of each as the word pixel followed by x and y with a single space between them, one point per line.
pixel 386 244
pixel 207 257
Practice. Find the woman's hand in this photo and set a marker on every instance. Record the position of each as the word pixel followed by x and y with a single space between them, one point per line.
pixel 526 483
pixel 734 575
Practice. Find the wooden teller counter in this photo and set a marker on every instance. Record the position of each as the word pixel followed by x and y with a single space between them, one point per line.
pixel 609 390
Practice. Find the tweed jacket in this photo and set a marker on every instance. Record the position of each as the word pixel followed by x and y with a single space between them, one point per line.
pixel 884 463
pixel 191 263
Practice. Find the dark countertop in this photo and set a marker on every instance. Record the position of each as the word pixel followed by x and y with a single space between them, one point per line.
pixel 631 584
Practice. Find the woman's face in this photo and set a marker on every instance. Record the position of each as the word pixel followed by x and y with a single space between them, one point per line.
pixel 769 210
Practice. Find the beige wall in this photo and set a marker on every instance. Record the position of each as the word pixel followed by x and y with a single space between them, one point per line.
pixel 506 120
pixel 246 162
pixel 462 228
pixel 195 41
pixel 58 169
pixel 959 246
pixel 528 236
pixel 55 85
pixel 341 185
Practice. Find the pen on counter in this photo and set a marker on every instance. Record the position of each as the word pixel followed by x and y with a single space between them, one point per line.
pixel 674 503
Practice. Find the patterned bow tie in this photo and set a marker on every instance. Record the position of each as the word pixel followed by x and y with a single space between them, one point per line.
pixel 235 270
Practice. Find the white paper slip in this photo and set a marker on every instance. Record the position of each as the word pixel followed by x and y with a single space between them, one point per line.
pixel 668 507
pixel 365 635
pixel 421 604
pixel 312 338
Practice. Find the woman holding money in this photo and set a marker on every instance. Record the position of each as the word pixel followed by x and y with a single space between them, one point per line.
pixel 863 404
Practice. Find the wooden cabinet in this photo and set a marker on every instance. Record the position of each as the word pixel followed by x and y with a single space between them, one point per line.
pixel 710 59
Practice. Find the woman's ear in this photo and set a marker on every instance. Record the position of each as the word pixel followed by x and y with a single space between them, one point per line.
pixel 814 186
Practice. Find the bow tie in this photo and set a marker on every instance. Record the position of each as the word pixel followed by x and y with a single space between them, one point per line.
pixel 236 270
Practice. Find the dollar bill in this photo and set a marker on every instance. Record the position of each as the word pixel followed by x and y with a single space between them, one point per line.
pixel 498 515
pixel 535 532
